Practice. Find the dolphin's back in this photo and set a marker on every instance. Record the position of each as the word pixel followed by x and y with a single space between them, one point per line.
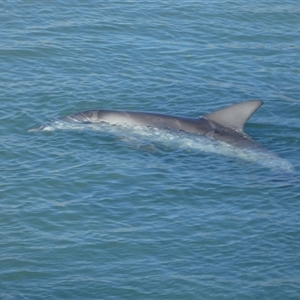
pixel 198 126
pixel 225 124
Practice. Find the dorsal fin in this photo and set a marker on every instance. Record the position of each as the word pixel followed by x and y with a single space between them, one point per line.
pixel 235 116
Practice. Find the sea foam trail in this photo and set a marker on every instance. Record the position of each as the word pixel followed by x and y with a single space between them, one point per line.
pixel 176 140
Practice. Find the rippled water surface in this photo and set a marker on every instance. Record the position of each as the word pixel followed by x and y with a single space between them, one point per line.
pixel 103 212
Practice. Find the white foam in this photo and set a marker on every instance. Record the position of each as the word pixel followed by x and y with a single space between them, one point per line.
pixel 175 139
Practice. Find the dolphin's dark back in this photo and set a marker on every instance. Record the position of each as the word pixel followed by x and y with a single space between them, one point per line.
pixel 225 124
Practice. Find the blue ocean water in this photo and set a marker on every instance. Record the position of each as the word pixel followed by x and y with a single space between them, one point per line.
pixel 93 212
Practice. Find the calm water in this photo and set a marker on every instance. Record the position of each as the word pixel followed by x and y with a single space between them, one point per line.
pixel 91 212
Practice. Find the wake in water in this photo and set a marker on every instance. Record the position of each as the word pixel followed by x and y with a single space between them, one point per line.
pixel 176 139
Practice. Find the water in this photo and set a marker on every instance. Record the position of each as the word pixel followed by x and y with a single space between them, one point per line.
pixel 132 213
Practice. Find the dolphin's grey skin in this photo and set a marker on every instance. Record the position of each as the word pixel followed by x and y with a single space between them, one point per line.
pixel 225 124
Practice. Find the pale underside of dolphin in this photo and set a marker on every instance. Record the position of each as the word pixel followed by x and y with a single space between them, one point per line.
pixel 225 125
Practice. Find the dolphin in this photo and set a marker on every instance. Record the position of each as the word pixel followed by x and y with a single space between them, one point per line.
pixel 224 125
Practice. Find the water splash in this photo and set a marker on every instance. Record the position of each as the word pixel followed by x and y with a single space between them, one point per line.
pixel 139 136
